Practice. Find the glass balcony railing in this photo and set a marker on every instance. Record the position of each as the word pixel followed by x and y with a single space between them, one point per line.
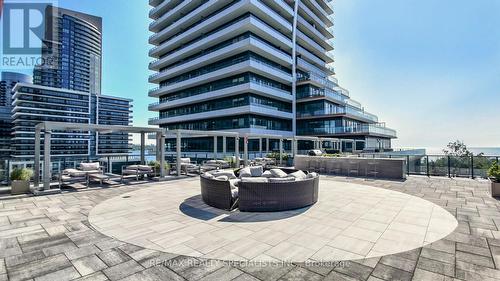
pixel 166 15
pixel 226 83
pixel 309 93
pixel 216 48
pixel 226 63
pixel 361 114
pixel 218 12
pixel 329 82
pixel 363 129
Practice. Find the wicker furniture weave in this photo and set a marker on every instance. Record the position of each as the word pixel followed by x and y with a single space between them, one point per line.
pixel 261 197
pixel 282 196
pixel 216 193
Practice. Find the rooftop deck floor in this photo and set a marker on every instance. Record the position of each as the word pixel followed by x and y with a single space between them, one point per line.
pixel 51 238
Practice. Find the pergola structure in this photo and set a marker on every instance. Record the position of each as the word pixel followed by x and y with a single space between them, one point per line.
pixel 49 127
pixel 161 134
pixel 178 134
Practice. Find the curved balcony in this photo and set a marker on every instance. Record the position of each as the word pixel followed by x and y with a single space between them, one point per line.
pixel 220 19
pixel 222 34
pixel 225 70
pixel 247 109
pixel 255 87
pixel 368 129
pixel 248 44
pixel 319 80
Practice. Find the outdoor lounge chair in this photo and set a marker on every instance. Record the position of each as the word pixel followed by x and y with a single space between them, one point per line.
pixel 139 171
pixel 69 176
pixel 211 165
pixel 189 166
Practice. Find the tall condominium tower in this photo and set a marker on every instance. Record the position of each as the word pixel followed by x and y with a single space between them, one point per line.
pixel 73 45
pixel 33 104
pixel 255 66
pixel 7 83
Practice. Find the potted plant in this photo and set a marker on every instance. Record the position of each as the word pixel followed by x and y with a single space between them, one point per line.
pixel 20 181
pixel 494 175
pixel 156 165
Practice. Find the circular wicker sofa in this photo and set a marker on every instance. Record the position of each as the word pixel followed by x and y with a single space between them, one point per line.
pixel 278 195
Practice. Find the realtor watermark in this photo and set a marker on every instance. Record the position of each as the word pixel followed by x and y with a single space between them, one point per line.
pixel 192 262
pixel 26 33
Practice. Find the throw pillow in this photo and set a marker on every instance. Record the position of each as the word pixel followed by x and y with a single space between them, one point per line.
pixel 298 175
pixel 256 171
pixel 278 173
pixel 245 172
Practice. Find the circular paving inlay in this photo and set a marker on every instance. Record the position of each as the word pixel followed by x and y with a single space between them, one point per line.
pixel 349 222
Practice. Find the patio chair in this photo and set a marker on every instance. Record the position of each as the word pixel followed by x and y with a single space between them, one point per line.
pixel 81 174
pixel 353 168
pixel 139 171
pixel 189 166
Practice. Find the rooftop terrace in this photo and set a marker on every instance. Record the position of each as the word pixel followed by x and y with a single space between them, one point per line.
pixel 113 233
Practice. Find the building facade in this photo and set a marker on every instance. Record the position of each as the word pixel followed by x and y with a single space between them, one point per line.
pixel 7 83
pixel 73 46
pixel 33 104
pixel 253 66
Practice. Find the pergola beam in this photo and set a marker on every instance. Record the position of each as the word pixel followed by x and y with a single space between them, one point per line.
pixel 161 134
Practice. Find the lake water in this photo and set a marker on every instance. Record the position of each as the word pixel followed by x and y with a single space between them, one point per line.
pixel 488 151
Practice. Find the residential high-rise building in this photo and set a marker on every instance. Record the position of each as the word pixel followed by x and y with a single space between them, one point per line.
pixel 7 83
pixel 68 89
pixel 33 104
pixel 72 48
pixel 253 66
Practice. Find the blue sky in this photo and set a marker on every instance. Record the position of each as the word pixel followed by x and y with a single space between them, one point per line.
pixel 430 69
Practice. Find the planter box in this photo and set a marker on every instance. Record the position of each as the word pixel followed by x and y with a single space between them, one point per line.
pixel 495 188
pixel 20 187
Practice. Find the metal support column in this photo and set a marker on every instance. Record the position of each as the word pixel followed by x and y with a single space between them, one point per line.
pixel 215 147
pixel 46 160
pixel 281 152
pixel 162 156
pixel 143 148
pixel 237 152
pixel 267 145
pixel 260 148
pixel 178 150
pixel 36 167
pixel 158 145
pixel 224 146
pixel 245 152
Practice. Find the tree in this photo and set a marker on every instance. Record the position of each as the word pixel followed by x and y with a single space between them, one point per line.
pixel 457 148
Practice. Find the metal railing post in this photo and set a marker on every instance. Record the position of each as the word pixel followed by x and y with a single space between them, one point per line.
pixel 449 166
pixel 427 160
pixel 472 166
pixel 408 164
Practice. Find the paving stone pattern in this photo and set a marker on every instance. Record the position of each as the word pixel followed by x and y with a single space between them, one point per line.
pixel 349 222
pixel 50 238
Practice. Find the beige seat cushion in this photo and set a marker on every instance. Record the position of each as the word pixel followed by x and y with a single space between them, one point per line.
pixel 245 172
pixel 254 180
pixel 74 172
pixel 89 166
pixel 278 173
pixel 299 175
pixel 277 180
pixel 312 175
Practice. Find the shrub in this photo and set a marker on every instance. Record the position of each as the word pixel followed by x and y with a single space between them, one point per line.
pixel 332 155
pixel 23 174
pixel 156 165
pixel 276 156
pixel 494 172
